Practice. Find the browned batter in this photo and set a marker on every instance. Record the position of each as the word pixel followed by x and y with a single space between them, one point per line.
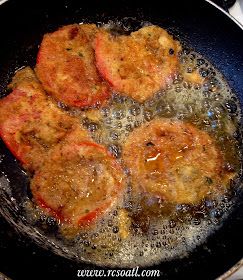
pixel 173 160
pixel 140 64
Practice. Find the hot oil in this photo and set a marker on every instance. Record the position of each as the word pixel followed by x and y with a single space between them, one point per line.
pixel 161 231
pixel 145 230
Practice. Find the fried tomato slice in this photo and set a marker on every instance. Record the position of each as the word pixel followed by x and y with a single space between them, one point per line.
pixel 30 123
pixel 78 183
pixel 66 66
pixel 174 161
pixel 140 64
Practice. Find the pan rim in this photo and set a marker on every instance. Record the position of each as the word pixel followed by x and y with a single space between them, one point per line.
pixel 224 12
pixel 2 1
pixel 210 2
pixel 239 264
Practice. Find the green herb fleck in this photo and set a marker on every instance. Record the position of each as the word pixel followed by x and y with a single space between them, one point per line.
pixel 150 144
pixel 68 49
pixel 80 54
pixel 209 180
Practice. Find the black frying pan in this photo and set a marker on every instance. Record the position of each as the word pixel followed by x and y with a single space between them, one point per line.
pixel 200 25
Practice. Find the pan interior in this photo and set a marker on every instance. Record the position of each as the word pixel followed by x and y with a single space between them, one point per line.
pixel 156 235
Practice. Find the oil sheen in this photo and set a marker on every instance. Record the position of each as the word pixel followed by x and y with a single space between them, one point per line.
pixel 146 230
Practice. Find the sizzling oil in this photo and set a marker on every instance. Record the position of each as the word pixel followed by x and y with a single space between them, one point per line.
pixel 146 230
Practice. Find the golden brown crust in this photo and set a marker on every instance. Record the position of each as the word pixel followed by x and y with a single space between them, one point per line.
pixel 66 66
pixel 140 64
pixel 30 123
pixel 78 182
pixel 173 160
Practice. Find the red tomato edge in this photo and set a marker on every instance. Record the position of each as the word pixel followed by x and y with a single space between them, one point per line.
pixel 83 103
pixel 13 146
pixel 100 62
pixel 56 214
pixel 94 214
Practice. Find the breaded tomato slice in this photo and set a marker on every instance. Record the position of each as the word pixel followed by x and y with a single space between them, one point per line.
pixel 78 183
pixel 140 64
pixel 30 124
pixel 66 66
pixel 174 161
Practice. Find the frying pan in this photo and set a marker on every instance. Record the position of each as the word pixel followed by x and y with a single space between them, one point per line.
pixel 24 253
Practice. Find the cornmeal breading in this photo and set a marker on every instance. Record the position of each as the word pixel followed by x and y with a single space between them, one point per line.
pixel 66 66
pixel 140 64
pixel 30 123
pixel 174 160
pixel 78 182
